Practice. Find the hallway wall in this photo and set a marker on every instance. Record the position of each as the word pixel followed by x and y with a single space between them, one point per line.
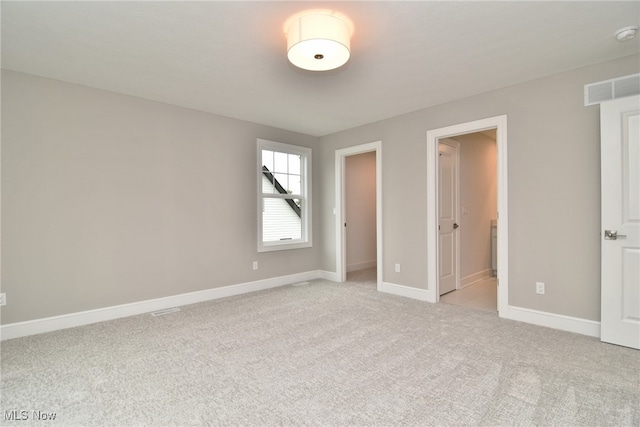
pixel 360 197
pixel 478 204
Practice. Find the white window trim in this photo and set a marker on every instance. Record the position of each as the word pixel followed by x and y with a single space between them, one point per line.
pixel 305 241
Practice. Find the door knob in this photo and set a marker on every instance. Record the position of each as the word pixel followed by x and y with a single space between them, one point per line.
pixel 455 226
pixel 612 235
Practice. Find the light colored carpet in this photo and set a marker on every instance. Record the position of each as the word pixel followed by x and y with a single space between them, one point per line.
pixel 320 354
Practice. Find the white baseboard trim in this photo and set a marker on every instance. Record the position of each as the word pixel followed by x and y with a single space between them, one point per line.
pixel 405 291
pixel 361 266
pixel 555 321
pixel 328 275
pixel 475 277
pixel 38 326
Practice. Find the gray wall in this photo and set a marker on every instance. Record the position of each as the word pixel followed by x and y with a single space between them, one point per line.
pixel 554 185
pixel 109 199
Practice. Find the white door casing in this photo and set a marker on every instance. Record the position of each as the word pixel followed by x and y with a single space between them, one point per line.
pixel 499 123
pixel 620 213
pixel 448 237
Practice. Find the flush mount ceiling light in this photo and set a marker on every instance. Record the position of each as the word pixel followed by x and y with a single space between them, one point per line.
pixel 626 33
pixel 318 41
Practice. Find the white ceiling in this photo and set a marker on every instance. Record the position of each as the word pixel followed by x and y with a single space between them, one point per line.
pixel 228 57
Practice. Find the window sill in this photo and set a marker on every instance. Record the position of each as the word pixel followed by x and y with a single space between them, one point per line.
pixel 271 247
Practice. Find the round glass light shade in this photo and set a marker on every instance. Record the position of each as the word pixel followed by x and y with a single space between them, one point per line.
pixel 318 42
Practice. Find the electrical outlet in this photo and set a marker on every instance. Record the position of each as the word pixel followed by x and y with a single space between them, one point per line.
pixel 397 268
pixel 255 265
pixel 3 299
pixel 540 288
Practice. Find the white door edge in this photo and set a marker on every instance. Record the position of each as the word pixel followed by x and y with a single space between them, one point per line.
pixel 455 145
pixel 620 273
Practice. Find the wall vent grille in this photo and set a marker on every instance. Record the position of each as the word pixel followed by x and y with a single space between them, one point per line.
pixel 595 93
pixel 300 284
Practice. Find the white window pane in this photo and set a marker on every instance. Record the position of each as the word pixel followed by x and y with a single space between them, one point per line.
pixel 295 185
pixel 280 221
pixel 267 159
pixel 294 164
pixel 280 162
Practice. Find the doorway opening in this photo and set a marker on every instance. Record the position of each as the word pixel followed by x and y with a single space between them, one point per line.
pixel 468 207
pixel 351 258
pixel 434 261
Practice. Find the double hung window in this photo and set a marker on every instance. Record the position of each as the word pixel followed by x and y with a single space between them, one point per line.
pixel 284 206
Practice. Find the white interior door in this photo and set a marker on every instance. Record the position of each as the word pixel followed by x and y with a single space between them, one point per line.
pixel 620 175
pixel 448 217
